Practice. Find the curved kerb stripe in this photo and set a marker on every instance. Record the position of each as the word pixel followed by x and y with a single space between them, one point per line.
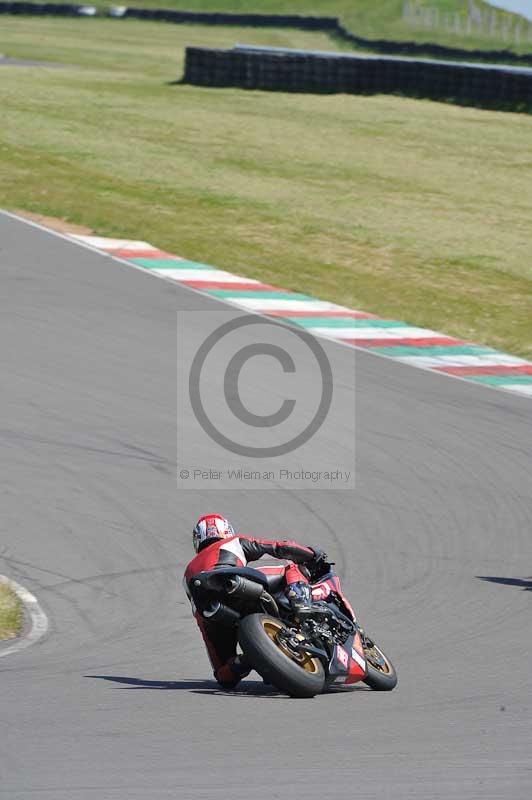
pixel 37 617
pixel 419 347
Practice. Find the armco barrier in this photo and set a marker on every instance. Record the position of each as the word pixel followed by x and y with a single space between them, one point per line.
pixel 330 25
pixel 486 86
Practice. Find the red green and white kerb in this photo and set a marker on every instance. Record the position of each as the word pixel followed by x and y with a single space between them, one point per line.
pixel 419 347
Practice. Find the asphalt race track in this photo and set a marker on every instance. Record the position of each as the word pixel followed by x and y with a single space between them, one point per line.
pixel 117 702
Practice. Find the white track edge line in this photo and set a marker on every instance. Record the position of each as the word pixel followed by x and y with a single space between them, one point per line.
pixel 223 300
pixel 39 620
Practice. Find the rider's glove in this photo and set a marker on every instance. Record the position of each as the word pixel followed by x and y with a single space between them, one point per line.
pixel 299 595
pixel 320 556
pixel 320 564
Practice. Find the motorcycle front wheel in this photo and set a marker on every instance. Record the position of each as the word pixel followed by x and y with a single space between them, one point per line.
pixel 381 676
pixel 297 674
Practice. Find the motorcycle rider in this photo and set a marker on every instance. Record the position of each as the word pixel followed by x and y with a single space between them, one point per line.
pixel 217 545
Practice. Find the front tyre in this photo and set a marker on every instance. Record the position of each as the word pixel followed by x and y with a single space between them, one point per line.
pixel 381 676
pixel 297 674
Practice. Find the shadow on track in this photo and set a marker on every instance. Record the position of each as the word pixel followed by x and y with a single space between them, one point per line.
pixel 141 683
pixel 244 689
pixel 525 583
pixel 247 688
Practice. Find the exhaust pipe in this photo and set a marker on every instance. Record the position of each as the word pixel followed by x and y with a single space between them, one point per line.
pixel 244 588
pixel 221 614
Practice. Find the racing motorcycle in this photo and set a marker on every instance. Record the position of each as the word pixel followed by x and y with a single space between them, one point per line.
pixel 300 651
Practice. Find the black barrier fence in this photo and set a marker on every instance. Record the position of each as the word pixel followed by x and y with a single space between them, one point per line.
pixel 330 25
pixel 469 84
pixel 42 9
pixel 327 24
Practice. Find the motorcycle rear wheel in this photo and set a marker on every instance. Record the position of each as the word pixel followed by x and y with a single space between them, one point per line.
pixel 381 676
pixel 300 675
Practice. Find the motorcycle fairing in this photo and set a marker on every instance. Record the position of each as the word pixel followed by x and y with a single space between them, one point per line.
pixel 347 665
pixel 271 569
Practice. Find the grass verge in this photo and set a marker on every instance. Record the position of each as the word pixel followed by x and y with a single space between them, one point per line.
pixel 11 613
pixel 410 209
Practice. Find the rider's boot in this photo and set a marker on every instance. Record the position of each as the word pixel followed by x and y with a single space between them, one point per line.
pixel 299 595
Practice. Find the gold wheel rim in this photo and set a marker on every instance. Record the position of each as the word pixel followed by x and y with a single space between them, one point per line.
pixel 303 660
pixel 374 656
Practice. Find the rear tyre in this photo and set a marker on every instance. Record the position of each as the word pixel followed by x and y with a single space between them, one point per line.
pixel 382 676
pixel 299 675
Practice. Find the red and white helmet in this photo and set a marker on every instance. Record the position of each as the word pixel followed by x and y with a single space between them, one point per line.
pixel 209 528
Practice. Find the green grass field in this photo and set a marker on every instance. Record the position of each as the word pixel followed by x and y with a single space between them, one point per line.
pixel 10 613
pixel 489 27
pixel 411 209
